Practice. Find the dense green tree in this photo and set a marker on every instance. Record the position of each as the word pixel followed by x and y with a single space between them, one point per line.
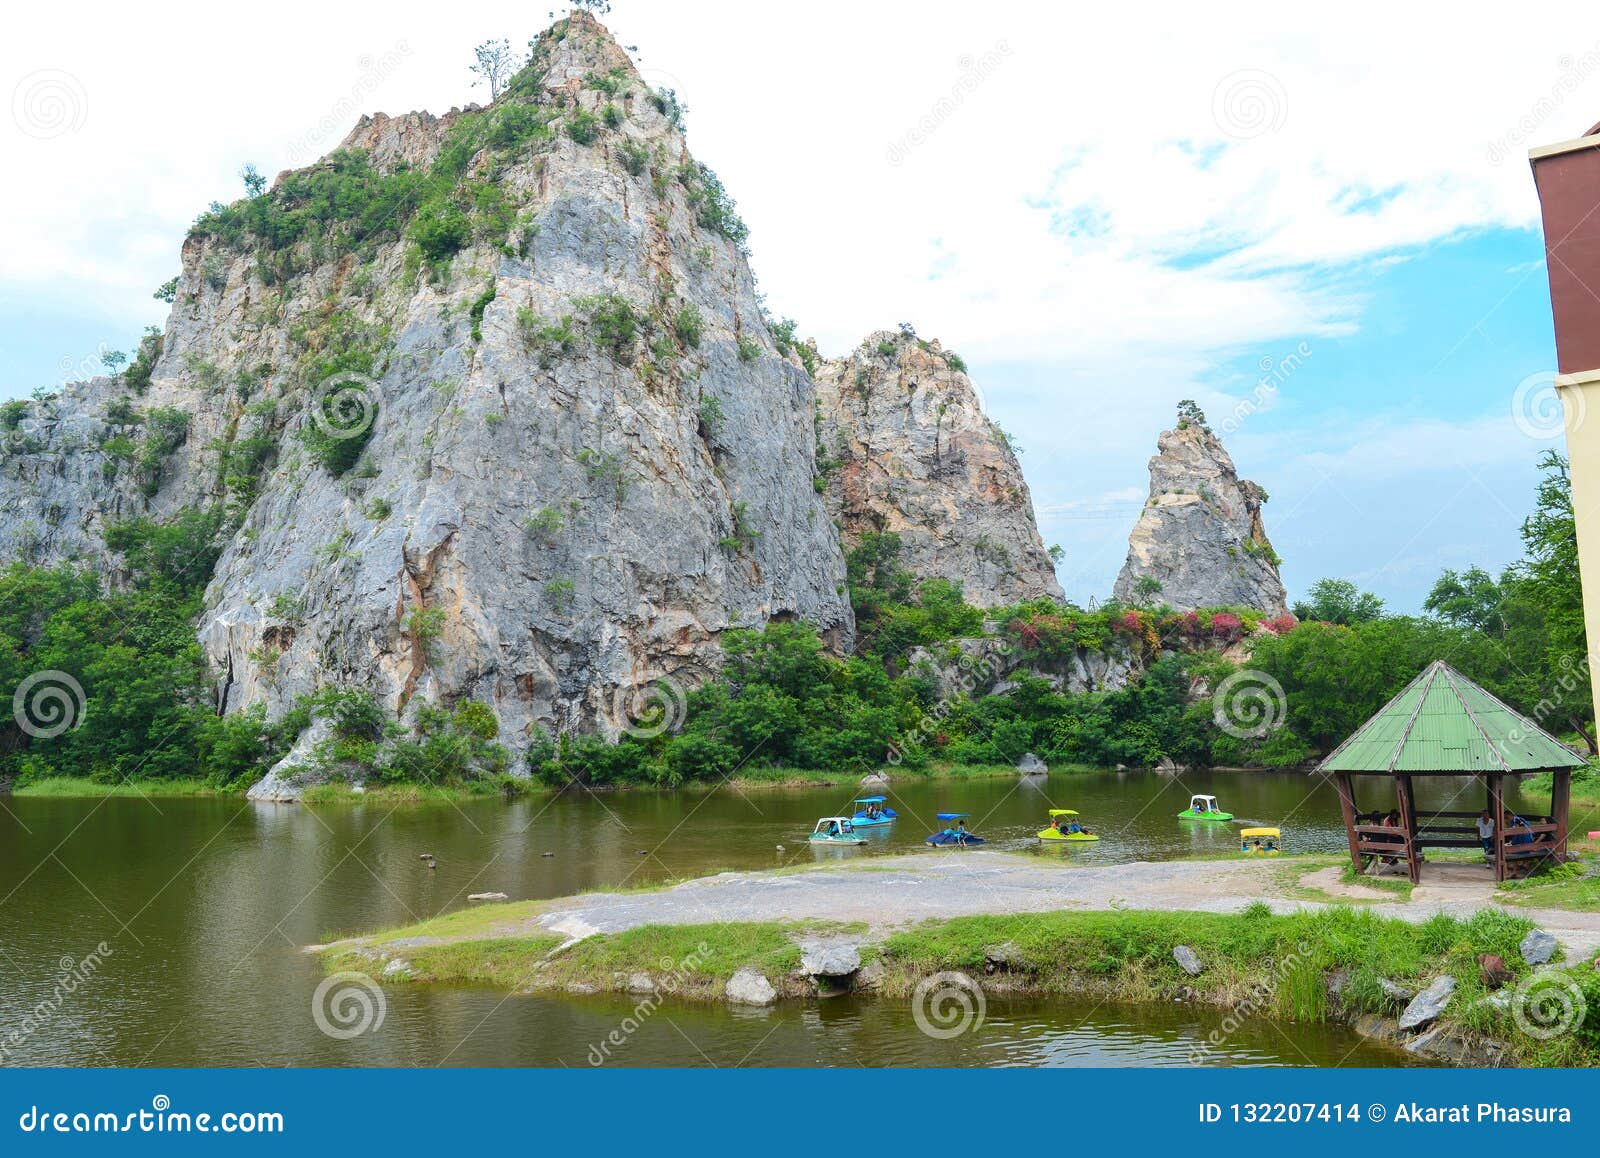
pixel 1338 601
pixel 1470 598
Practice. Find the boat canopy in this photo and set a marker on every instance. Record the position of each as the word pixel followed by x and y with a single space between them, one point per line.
pixel 1063 812
pixel 1207 800
pixel 953 815
pixel 843 821
pixel 1253 832
pixel 871 800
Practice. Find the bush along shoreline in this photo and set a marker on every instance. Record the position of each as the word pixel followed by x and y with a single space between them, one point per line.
pixel 1454 991
pixel 935 686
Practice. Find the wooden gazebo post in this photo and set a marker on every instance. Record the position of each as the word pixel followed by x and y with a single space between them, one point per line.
pixel 1408 822
pixel 1347 804
pixel 1497 814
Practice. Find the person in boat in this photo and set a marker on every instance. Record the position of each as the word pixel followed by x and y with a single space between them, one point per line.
pixel 1074 827
pixel 961 830
pixel 833 828
pixel 1199 807
pixel 874 811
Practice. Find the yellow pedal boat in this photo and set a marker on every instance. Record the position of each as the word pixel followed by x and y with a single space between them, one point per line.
pixel 1064 829
pixel 1260 842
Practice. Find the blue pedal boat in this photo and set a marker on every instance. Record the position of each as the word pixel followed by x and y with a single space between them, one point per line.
pixel 871 812
pixel 956 833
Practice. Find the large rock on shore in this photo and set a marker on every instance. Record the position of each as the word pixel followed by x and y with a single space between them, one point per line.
pixel 1538 947
pixel 1426 1006
pixel 1200 541
pixel 749 986
pixel 829 959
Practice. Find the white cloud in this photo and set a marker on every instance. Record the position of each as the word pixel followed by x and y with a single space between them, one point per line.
pixel 1047 195
pixel 1093 223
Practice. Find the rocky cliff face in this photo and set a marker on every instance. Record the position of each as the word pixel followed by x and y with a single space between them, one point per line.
pixel 485 405
pixel 907 448
pixel 1199 541
pixel 532 443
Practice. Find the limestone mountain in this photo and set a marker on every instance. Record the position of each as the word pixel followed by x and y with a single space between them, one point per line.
pixel 908 449
pixel 1199 541
pixel 483 406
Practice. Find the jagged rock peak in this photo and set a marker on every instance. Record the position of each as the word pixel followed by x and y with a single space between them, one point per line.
pixel 565 59
pixel 571 50
pixel 904 446
pixel 1199 541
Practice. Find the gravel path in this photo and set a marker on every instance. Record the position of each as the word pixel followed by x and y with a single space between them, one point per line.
pixel 950 885
pixel 884 893
pixel 974 882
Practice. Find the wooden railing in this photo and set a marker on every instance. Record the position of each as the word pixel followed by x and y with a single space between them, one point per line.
pixel 1382 840
pixel 1514 849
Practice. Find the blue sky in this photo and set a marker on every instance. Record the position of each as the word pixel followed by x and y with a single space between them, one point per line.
pixel 1104 212
pixel 1443 335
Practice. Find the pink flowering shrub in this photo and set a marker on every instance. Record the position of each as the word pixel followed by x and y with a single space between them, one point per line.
pixel 1226 626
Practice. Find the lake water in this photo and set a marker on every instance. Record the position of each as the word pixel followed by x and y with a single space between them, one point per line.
pixel 205 903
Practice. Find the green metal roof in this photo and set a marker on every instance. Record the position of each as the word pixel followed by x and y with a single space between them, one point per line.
pixel 1444 723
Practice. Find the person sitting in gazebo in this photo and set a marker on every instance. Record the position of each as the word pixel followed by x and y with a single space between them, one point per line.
pixel 1391 819
pixel 1486 833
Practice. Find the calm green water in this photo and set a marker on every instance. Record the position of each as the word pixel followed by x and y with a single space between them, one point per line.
pixel 205 903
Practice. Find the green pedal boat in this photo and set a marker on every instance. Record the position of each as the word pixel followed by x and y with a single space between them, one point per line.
pixel 1204 808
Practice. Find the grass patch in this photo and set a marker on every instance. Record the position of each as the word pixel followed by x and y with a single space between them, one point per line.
pixel 689 960
pixel 476 921
pixel 77 787
pixel 1278 963
pixel 505 788
pixel 1275 965
pixel 793 777
pixel 1574 886
pixel 1400 886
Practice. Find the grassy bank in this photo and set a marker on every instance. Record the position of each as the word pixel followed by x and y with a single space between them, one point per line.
pixel 79 787
pixel 504 787
pixel 1276 966
pixel 809 777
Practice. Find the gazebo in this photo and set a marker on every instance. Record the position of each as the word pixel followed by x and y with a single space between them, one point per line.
pixel 1443 724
